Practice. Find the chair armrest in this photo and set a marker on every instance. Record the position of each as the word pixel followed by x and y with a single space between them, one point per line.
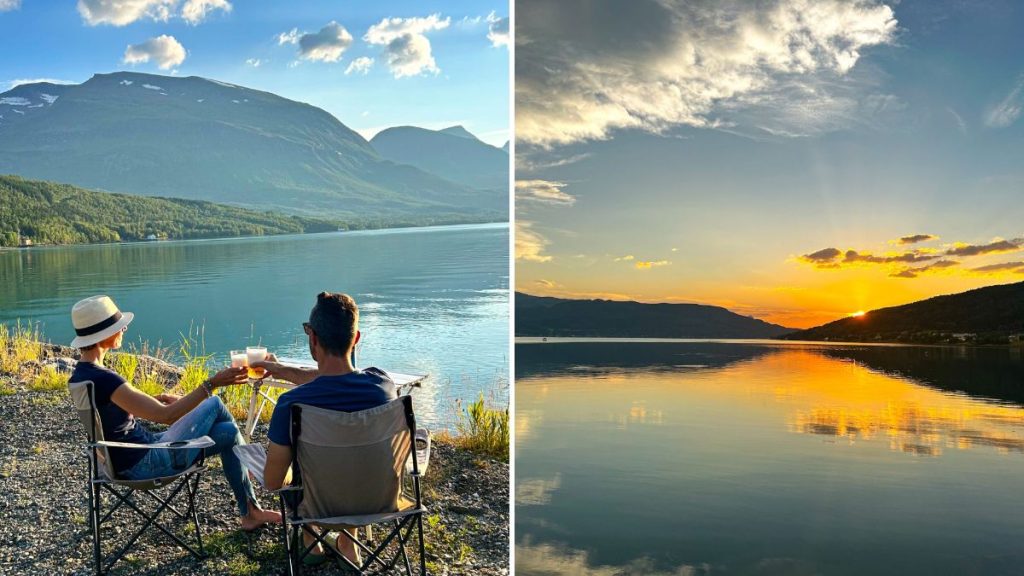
pixel 201 442
pixel 421 451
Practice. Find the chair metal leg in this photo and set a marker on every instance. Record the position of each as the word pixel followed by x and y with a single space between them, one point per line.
pixel 284 533
pixel 423 549
pixel 405 557
pixel 193 489
pixel 94 521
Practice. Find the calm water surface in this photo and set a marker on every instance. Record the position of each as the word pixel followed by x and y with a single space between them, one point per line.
pixel 760 458
pixel 433 300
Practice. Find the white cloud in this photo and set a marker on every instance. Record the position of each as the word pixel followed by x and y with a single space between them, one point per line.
pixel 537 491
pixel 195 11
pixel 360 65
pixel 543 191
pixel 686 63
pixel 164 51
pixel 529 244
pixel 255 62
pixel 289 37
pixel 497 31
pixel 124 12
pixel 327 45
pixel 405 43
pixel 1008 110
pixel 6 5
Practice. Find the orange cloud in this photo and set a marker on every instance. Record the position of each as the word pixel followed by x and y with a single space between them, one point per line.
pixel 646 264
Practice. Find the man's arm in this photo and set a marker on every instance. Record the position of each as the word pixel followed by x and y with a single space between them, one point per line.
pixel 293 374
pixel 276 474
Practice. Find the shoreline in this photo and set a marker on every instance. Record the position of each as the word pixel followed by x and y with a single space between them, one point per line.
pixel 360 231
pixel 530 340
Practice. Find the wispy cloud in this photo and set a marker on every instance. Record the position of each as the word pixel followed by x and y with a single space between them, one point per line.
pixel 530 245
pixel 165 51
pixel 544 192
pixel 8 5
pixel 1008 110
pixel 124 12
pixel 691 64
pixel 406 46
pixel 648 264
pixel 289 37
pixel 626 258
pixel 497 30
pixel 360 65
pixel 255 62
pixel 195 11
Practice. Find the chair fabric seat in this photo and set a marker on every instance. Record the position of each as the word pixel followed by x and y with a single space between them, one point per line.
pixel 152 483
pixel 339 522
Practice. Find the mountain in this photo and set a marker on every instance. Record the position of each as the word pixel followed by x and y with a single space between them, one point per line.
pixel 459 131
pixel 452 153
pixel 28 101
pixel 984 315
pixel 203 139
pixel 505 147
pixel 545 316
pixel 51 213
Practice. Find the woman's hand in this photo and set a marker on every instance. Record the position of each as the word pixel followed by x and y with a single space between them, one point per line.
pixel 229 377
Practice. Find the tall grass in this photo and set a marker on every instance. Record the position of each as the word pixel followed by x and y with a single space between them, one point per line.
pixel 49 380
pixel 483 429
pixel 19 346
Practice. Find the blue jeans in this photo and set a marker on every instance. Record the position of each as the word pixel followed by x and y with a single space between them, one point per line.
pixel 211 418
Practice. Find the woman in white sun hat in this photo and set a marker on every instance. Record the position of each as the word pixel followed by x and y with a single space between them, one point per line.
pixel 100 327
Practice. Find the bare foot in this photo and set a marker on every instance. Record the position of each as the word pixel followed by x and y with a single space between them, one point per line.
pixel 347 548
pixel 258 517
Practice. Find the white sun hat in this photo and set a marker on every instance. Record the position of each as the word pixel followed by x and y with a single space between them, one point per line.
pixel 96 319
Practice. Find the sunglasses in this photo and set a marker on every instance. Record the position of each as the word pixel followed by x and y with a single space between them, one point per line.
pixel 308 329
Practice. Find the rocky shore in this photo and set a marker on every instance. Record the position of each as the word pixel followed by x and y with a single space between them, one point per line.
pixel 43 499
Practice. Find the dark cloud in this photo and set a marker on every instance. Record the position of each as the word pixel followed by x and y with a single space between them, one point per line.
pixel 852 256
pixel 916 238
pixel 992 248
pixel 821 256
pixel 1003 267
pixel 914 272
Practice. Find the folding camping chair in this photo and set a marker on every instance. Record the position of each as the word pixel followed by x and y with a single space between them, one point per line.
pixel 102 477
pixel 348 472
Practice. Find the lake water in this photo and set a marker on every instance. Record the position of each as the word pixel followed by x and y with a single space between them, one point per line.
pixel 432 300
pixel 763 458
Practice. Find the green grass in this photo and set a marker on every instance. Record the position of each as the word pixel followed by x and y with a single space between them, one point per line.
pixel 49 380
pixel 483 429
pixel 18 346
pixel 125 365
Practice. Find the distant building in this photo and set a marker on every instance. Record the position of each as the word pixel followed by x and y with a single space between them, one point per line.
pixel 151 237
pixel 25 242
pixel 965 336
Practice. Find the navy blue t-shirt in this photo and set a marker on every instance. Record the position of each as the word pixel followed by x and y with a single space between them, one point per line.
pixel 118 425
pixel 352 392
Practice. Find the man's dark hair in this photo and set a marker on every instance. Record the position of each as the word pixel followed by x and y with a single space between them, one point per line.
pixel 334 319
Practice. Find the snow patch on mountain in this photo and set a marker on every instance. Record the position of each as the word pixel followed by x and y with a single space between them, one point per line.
pixel 151 87
pixel 15 101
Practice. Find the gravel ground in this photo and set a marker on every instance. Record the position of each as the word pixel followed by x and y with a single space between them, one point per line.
pixel 43 505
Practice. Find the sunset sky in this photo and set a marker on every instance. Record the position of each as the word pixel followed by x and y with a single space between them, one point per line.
pixel 373 65
pixel 798 162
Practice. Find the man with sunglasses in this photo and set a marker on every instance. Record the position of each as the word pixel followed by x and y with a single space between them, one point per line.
pixel 335 384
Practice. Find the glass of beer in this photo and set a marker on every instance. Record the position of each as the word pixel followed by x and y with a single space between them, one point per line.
pixel 239 358
pixel 255 354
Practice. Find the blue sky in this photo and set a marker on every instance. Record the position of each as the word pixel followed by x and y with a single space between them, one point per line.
pixel 703 152
pixel 240 42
